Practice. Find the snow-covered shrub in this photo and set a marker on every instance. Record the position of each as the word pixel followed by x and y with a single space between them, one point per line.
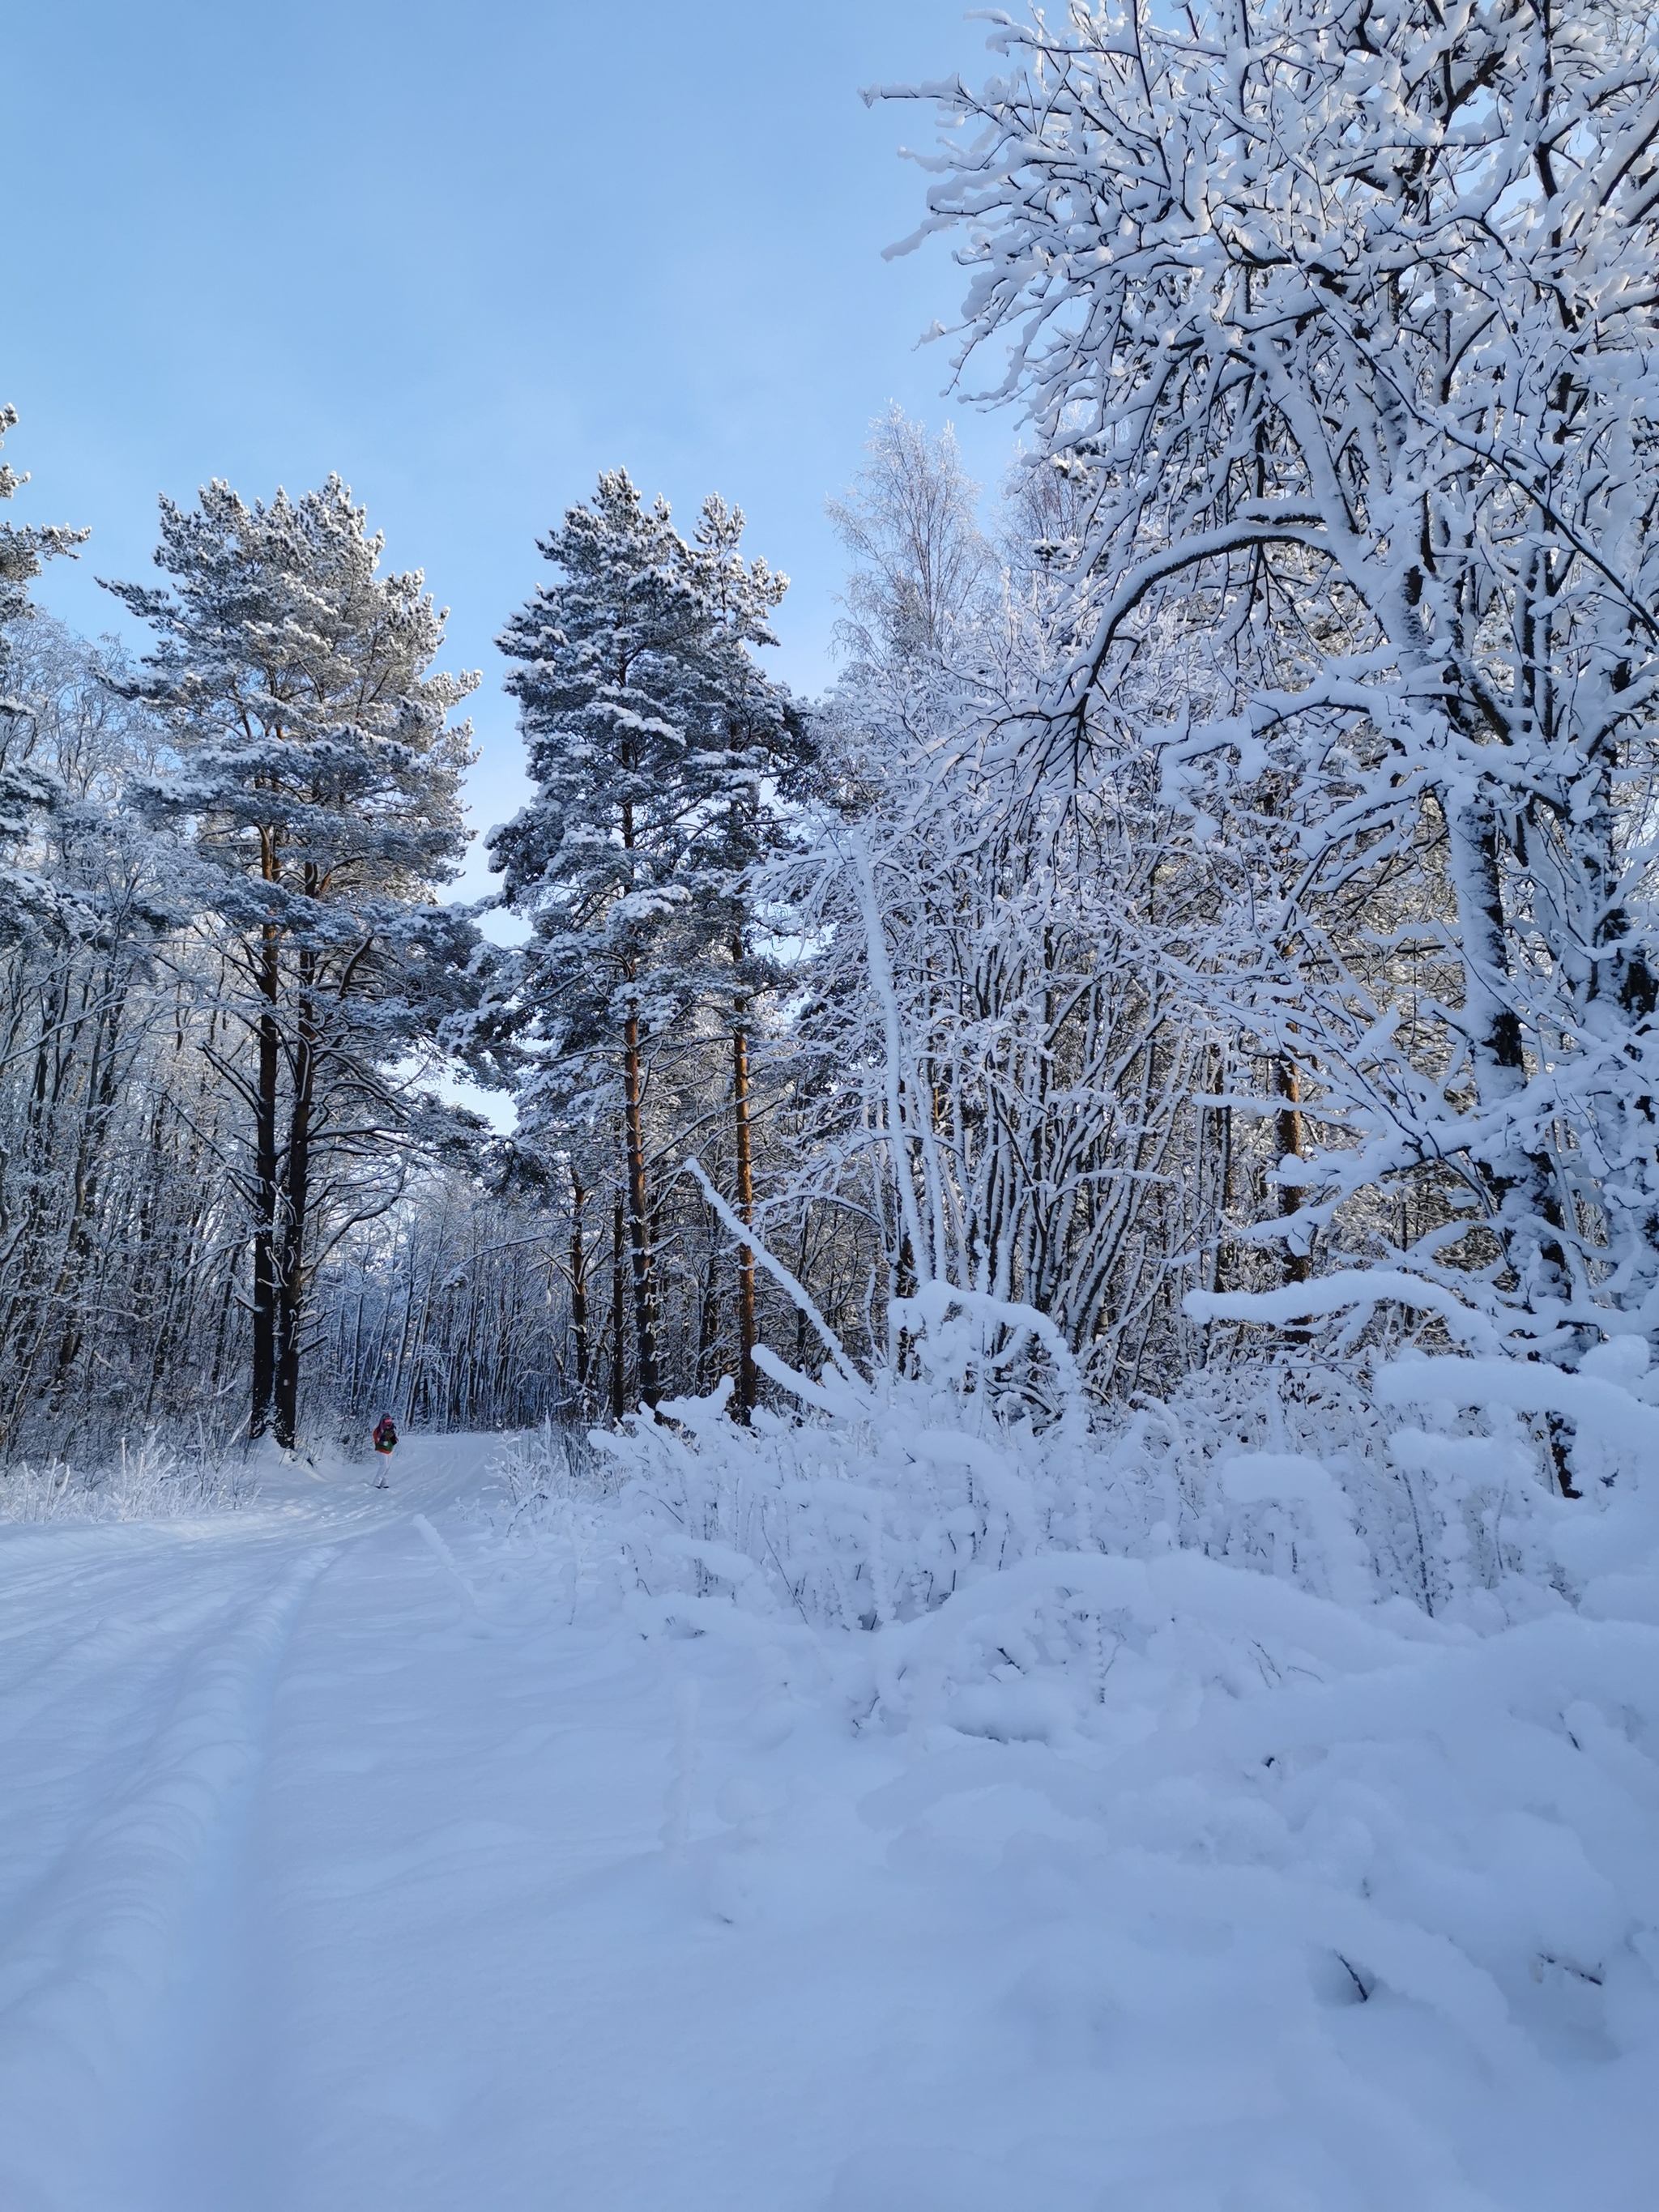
pixel 550 1485
pixel 880 1499
pixel 1419 1770
pixel 543 1468
pixel 151 1481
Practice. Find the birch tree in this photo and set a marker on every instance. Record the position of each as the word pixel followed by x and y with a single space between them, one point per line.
pixel 1348 311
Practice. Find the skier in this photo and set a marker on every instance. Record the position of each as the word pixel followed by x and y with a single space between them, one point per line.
pixel 386 1439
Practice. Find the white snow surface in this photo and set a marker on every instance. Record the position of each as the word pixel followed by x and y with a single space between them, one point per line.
pixel 359 1858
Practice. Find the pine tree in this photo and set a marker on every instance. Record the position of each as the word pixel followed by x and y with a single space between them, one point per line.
pixel 757 742
pixel 649 732
pixel 594 858
pixel 27 791
pixel 321 773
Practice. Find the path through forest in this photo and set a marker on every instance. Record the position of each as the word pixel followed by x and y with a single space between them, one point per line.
pixel 327 1887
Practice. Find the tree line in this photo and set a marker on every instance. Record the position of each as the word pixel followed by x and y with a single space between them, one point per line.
pixel 1211 908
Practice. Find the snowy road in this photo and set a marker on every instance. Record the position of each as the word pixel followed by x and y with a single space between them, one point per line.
pixel 337 1881
pixel 323 1890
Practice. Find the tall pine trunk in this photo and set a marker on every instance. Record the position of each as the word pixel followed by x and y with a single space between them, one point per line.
pixel 639 1220
pixel 265 1196
pixel 579 1290
pixel 290 1270
pixel 618 1320
pixel 748 1378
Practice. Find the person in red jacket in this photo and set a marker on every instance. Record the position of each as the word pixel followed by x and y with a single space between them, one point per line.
pixel 386 1439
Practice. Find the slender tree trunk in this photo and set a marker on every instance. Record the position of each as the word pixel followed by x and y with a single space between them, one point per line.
pixel 579 1288
pixel 290 1272
pixel 1287 1125
pixel 222 1334
pixel 1526 1199
pixel 264 1197
pixel 748 1375
pixel 801 1277
pixel 709 1286
pixel 639 1221
pixel 76 1266
pixel 904 1286
pixel 618 1330
pixel 419 1398
pixel 1223 1181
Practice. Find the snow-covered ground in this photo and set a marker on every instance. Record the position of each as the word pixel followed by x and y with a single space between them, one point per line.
pixel 357 1860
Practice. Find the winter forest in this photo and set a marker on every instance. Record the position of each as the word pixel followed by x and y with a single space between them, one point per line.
pixel 1088 1195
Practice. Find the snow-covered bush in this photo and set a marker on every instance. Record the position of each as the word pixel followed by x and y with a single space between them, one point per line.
pixel 537 1470
pixel 881 1499
pixel 152 1481
pixel 1344 1685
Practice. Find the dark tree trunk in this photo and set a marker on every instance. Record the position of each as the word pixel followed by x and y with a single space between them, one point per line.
pixel 619 1323
pixel 639 1220
pixel 265 1199
pixel 748 1375
pixel 578 1289
pixel 1287 1123
pixel 290 1269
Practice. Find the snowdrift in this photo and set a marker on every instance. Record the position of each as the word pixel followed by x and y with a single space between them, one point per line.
pixel 1323 1735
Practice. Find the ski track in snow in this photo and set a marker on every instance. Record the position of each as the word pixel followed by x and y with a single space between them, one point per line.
pixel 331 1886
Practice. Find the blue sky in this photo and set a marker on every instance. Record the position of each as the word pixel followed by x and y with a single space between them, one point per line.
pixel 468 257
